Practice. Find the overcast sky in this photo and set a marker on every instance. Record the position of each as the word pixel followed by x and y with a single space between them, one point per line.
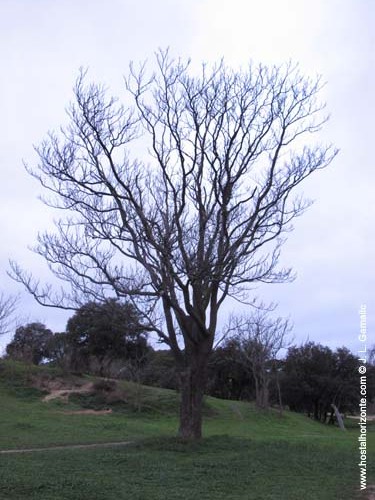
pixel 44 42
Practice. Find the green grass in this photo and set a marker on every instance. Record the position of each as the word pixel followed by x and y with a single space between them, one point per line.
pixel 246 453
pixel 217 468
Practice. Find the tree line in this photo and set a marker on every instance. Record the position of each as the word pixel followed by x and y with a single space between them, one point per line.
pixel 108 339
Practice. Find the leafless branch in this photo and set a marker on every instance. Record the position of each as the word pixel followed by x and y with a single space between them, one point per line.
pixel 8 306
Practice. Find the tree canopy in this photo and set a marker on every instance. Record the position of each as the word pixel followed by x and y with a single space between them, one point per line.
pixel 30 343
pixel 315 377
pixel 107 331
pixel 179 198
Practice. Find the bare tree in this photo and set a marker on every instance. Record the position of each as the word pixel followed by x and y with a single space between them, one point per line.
pixel 260 338
pixel 198 219
pixel 7 309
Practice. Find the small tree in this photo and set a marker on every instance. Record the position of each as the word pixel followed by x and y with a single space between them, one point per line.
pixel 260 339
pixel 199 219
pixel 30 343
pixel 105 331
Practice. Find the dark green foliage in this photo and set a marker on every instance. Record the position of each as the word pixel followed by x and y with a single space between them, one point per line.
pixel 105 386
pixel 58 350
pixel 160 370
pixel 227 377
pixel 30 343
pixel 314 377
pixel 105 331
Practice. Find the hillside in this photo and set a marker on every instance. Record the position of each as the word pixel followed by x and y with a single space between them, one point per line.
pixel 246 453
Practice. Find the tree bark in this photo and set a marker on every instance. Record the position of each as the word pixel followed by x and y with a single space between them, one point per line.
pixel 261 391
pixel 193 377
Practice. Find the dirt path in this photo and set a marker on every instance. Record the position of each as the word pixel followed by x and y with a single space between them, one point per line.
pixel 87 412
pixel 67 447
pixel 64 393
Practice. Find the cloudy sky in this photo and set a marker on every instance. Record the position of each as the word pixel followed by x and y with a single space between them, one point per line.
pixel 44 42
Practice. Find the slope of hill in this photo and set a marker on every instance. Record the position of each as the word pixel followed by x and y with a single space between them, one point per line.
pixel 246 453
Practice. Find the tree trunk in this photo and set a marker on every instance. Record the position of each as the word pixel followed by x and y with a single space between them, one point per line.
pixel 265 393
pixel 193 376
pixel 261 391
pixel 257 391
pixel 316 410
pixel 279 393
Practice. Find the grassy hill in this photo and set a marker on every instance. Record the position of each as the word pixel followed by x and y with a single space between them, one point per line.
pixel 246 453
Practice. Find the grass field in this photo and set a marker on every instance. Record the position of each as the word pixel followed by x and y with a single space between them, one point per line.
pixel 246 453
